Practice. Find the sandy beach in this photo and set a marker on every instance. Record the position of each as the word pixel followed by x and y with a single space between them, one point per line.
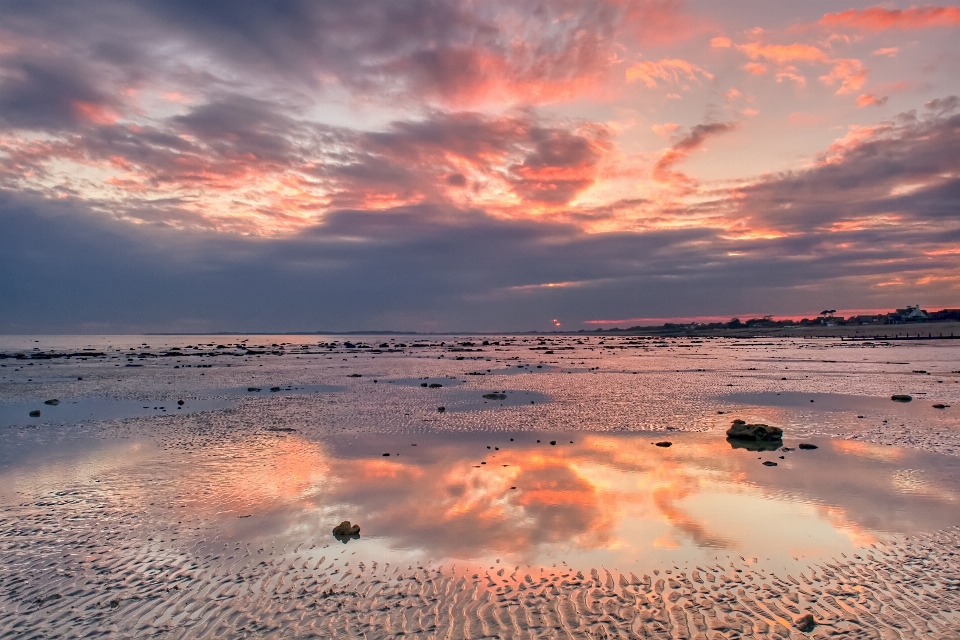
pixel 533 505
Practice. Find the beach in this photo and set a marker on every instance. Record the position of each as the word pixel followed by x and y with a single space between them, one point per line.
pixel 505 486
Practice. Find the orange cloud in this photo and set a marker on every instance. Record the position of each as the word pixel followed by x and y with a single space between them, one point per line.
pixel 663 169
pixel 849 73
pixel 756 68
pixel 870 99
pixel 880 19
pixel 667 70
pixel 781 53
pixel 665 129
pixel 890 52
pixel 796 78
pixel 96 113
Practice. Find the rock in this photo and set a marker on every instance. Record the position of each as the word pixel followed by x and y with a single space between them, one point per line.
pixel 807 446
pixel 441 409
pixel 901 397
pixel 251 389
pixel 769 463
pixel 755 445
pixel 495 396
pixel 35 413
pixel 663 444
pixel 434 385
pixel 281 429
pixel 553 442
pixel 740 430
pixel 805 623
pixel 355 375
pixel 274 389
pixel 181 402
pixel 940 406
pixel 54 402
pixel 345 529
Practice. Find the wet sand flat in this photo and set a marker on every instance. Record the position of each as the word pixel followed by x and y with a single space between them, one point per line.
pixel 217 521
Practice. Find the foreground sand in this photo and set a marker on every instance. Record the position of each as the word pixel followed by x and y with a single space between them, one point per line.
pixel 120 587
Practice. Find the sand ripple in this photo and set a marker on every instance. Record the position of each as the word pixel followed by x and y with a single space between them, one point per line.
pixel 69 567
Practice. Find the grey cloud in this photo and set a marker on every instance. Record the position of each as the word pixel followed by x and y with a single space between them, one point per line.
pixel 380 49
pixel 45 94
pixel 424 267
pixel 921 158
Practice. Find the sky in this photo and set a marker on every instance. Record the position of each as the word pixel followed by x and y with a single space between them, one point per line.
pixel 442 165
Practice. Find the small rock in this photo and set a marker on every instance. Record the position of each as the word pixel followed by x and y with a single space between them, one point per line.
pixel 441 409
pixel 355 375
pixel 35 413
pixel 346 529
pixel 663 444
pixel 769 463
pixel 281 429
pixel 434 385
pixel 901 397
pixel 940 406
pixel 274 389
pixel 807 446
pixel 553 442
pixel 54 402
pixel 805 623
pixel 251 389
pixel 495 396
pixel 180 402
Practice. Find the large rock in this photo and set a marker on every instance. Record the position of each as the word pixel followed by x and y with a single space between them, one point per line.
pixel 740 430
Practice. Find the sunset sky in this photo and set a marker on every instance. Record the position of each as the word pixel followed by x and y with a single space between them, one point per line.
pixel 435 165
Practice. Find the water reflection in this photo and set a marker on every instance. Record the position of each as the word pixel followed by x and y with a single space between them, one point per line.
pixel 613 500
pixel 618 499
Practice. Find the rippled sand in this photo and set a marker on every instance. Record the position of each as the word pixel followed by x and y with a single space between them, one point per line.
pixel 211 524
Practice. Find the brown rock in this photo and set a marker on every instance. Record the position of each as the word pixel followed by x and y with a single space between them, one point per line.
pixel 805 623
pixel 346 529
pixel 740 430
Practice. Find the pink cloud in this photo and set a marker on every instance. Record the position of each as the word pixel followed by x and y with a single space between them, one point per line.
pixel 870 99
pixel 667 70
pixel 782 54
pixel 848 72
pixel 880 19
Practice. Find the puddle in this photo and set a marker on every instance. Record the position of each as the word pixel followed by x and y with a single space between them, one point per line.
pixel 95 409
pixel 621 501
pixel 437 383
pixel 480 400
pixel 583 499
pixel 834 402
pixel 282 390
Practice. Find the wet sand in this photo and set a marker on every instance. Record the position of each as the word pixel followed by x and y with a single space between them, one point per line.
pixel 215 524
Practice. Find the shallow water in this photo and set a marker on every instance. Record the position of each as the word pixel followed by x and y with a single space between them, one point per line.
pixel 106 498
